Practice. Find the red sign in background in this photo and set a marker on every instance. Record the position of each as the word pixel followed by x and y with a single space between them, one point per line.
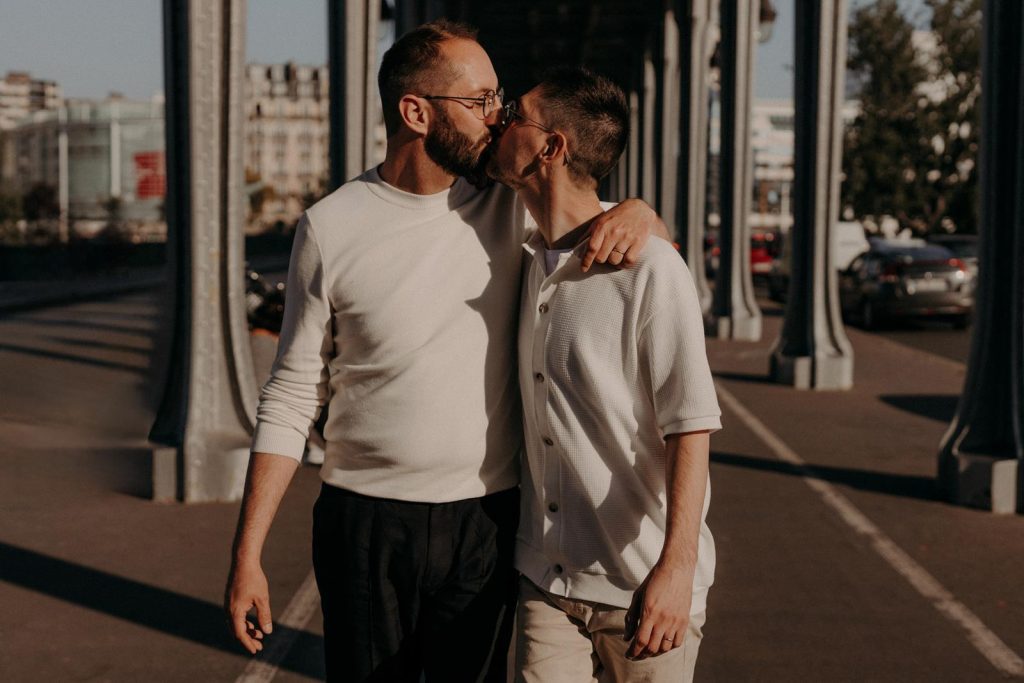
pixel 150 176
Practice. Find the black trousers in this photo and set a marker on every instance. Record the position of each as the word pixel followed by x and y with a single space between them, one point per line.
pixel 411 589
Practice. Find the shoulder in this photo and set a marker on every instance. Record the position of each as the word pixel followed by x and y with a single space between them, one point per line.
pixel 350 197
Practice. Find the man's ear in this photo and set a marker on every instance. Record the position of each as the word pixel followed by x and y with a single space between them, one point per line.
pixel 556 147
pixel 414 113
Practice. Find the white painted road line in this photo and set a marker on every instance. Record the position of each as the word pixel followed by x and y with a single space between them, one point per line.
pixel 1005 660
pixel 295 617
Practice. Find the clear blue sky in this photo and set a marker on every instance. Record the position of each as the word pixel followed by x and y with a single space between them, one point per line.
pixel 92 47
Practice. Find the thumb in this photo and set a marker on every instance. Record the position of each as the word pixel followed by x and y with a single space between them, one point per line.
pixel 263 616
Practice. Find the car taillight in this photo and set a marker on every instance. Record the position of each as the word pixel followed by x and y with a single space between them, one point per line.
pixel 891 273
pixel 957 263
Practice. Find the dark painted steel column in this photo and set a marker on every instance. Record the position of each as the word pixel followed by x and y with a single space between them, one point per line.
pixel 813 351
pixel 352 49
pixel 692 19
pixel 208 409
pixel 980 457
pixel 734 312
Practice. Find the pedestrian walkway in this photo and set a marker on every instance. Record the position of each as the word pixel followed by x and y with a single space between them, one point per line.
pixel 836 561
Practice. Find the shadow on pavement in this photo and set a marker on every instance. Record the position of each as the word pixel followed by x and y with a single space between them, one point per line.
pixel 744 377
pixel 172 613
pixel 57 355
pixel 936 406
pixel 904 485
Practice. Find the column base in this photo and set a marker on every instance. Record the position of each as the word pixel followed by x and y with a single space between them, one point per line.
pixel 735 328
pixel 806 372
pixel 982 481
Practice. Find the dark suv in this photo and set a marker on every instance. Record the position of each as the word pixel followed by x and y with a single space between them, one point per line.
pixel 900 279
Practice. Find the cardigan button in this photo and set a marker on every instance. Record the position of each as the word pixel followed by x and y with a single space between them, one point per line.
pixel 553 506
pixel 543 308
pixel 558 569
pixel 539 377
pixel 548 441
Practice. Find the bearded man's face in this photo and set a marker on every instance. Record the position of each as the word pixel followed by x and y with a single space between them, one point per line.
pixel 453 150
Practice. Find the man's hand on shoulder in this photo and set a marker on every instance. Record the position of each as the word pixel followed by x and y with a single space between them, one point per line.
pixel 660 612
pixel 619 234
pixel 247 590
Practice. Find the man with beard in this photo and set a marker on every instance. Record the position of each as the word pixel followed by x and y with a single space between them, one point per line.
pixel 401 313
pixel 618 401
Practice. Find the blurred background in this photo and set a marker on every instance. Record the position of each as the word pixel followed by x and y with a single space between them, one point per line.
pixel 854 522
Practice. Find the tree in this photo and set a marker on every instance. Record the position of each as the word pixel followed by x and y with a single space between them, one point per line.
pixel 911 151
pixel 40 202
pixel 953 121
pixel 10 208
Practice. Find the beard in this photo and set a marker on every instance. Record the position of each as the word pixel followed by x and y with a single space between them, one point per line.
pixel 453 150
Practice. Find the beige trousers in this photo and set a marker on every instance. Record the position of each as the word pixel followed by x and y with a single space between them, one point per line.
pixel 561 640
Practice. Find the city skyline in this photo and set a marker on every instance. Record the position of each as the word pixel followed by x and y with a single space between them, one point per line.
pixel 276 33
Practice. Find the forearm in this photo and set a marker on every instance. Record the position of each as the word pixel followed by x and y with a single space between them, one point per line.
pixel 265 484
pixel 686 471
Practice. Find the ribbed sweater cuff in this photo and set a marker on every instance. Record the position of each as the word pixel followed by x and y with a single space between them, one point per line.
pixel 711 423
pixel 271 438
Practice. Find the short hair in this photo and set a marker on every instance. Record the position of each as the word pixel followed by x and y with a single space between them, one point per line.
pixel 414 64
pixel 592 112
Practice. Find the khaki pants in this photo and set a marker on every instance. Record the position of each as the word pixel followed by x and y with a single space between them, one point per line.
pixel 576 641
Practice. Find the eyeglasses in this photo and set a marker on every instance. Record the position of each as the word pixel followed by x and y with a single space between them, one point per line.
pixel 488 102
pixel 510 112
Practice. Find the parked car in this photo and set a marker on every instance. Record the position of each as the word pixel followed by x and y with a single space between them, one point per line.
pixel 964 247
pixel 764 246
pixel 902 279
pixel 848 242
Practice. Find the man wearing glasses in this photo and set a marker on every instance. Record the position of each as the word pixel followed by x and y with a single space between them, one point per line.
pixel 618 401
pixel 401 314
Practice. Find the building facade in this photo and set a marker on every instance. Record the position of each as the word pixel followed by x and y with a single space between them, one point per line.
pixel 103 159
pixel 286 138
pixel 21 95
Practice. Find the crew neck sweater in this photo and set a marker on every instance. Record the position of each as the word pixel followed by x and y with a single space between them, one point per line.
pixel 400 314
pixel 610 362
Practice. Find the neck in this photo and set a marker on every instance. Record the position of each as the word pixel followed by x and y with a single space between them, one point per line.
pixel 407 167
pixel 561 210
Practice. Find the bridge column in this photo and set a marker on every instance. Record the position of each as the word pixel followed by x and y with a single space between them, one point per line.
pixel 813 351
pixel 208 408
pixel 355 103
pixel 690 19
pixel 980 455
pixel 734 312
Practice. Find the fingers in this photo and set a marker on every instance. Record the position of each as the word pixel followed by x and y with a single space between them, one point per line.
pixel 245 632
pixel 655 636
pixel 593 248
pixel 263 614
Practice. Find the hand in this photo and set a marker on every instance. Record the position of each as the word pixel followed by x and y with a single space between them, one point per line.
pixel 618 235
pixel 246 590
pixel 659 613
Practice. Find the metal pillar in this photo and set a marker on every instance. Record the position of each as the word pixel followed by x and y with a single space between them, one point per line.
pixel 734 312
pixel 692 18
pixel 355 103
pixel 980 456
pixel 650 132
pixel 411 13
pixel 813 351
pixel 209 402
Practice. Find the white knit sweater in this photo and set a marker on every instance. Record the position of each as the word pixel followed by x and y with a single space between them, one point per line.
pixel 402 309
pixel 610 361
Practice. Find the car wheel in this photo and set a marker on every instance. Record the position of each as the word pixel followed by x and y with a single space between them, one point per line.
pixel 868 317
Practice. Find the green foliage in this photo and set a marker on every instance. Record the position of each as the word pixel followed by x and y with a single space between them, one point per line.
pixel 40 202
pixel 10 208
pixel 911 152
